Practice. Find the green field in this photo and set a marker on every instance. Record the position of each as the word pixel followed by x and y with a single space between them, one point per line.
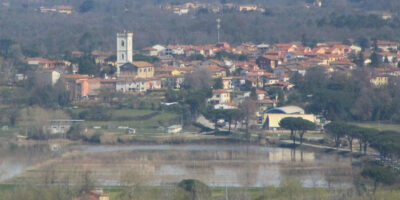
pixel 289 191
pixel 380 126
pixel 146 125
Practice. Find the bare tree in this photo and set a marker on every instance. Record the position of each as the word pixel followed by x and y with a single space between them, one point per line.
pixel 248 109
pixel 199 79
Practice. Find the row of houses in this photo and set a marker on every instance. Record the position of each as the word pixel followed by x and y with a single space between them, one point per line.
pixel 271 69
pixel 185 8
pixel 62 9
pixel 265 66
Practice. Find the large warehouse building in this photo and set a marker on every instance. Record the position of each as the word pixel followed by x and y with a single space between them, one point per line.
pixel 273 116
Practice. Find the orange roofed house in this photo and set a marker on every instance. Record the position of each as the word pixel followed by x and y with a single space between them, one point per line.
pixel 94 195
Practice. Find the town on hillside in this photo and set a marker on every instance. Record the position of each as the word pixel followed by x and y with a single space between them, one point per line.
pixel 199 100
pixel 238 71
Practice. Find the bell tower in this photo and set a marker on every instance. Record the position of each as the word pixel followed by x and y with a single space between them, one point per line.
pixel 124 49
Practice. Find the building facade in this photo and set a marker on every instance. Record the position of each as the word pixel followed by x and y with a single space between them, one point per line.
pixel 124 49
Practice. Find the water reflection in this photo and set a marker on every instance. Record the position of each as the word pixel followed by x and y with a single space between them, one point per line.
pixel 231 165
pixel 14 160
pixel 217 165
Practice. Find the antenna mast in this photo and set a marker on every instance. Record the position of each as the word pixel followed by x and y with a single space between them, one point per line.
pixel 218 27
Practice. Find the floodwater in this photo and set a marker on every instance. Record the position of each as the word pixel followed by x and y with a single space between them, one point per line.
pixel 216 165
pixel 14 160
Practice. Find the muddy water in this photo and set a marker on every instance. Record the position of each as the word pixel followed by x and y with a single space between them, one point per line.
pixel 216 165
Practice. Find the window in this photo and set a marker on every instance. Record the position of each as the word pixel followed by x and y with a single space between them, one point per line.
pixel 123 57
pixel 122 43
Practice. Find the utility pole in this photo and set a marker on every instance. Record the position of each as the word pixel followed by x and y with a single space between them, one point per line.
pixel 218 27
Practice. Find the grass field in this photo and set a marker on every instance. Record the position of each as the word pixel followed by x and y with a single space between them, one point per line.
pixel 291 191
pixel 147 125
pixel 380 126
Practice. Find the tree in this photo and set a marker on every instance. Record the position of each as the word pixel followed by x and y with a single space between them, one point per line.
pixel 363 42
pixel 86 6
pixel 365 135
pixel 150 59
pixel 295 125
pixel 337 130
pixel 304 125
pixel 196 99
pixel 199 79
pixel 196 190
pixel 229 115
pixel 86 43
pixel 253 94
pixel 359 59
pixel 5 46
pixel 218 84
pixel 308 42
pixel 387 143
pixel 289 123
pixel 379 175
pixel 75 132
pixel 87 65
pixel 375 61
pixel 248 109
pixel 386 60
pixel 351 133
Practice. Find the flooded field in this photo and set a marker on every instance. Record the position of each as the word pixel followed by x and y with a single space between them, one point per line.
pixel 216 165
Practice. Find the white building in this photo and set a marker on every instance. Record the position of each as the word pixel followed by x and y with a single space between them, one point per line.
pixel 174 129
pixel 48 77
pixel 131 85
pixel 124 49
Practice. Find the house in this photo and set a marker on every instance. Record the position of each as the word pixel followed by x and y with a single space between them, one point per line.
pixel 379 81
pixel 261 94
pixel 44 9
pixel 226 106
pixel 138 69
pixel 94 195
pixel 227 83
pixel 265 104
pixel 248 7
pixel 318 3
pixel 388 57
pixel 48 77
pixel 181 11
pixel 150 51
pixel 220 96
pixel 387 45
pixel 64 9
pixel 153 84
pixel 271 80
pixel 41 63
pixel 216 71
pixel 355 49
pixel 129 84
pixel 262 48
pixel 61 126
pixel 343 63
pixel 168 81
pixel 73 83
pixel 268 62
